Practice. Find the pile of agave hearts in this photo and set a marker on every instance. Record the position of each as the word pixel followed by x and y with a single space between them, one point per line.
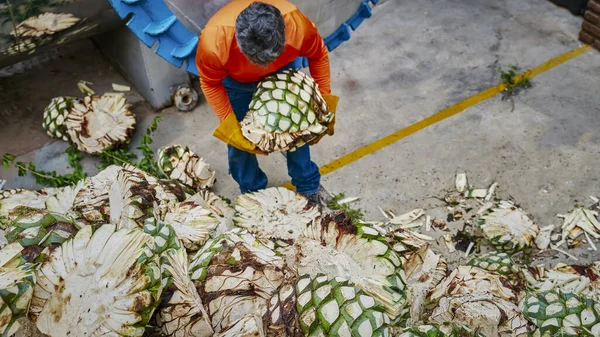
pixel 126 254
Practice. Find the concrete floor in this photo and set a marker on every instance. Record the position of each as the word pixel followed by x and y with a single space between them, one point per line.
pixel 411 60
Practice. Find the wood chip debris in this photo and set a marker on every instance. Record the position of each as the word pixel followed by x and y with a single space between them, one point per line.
pixel 427 223
pixel 84 87
pixel 469 248
pixel 422 236
pixel 486 207
pixel 406 218
pixel 457 213
pixel 590 241
pixel 490 192
pixel 440 224
pixel 383 212
pixel 461 182
pixel 450 244
pixel 120 88
pixel 595 199
pixel 564 252
pixel 578 220
pixel 543 239
pixel 476 193
pixel 348 200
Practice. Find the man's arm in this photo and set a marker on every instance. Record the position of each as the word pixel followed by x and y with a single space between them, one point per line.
pixel 212 74
pixel 314 49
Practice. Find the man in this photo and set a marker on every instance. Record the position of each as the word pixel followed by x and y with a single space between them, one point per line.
pixel 244 42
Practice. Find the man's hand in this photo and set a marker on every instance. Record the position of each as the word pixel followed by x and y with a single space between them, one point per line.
pixel 230 132
pixel 332 102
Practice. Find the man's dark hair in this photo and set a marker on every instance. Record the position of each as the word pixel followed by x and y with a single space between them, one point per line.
pixel 260 33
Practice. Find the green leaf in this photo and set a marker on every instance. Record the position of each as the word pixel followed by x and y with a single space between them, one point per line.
pixel 8 157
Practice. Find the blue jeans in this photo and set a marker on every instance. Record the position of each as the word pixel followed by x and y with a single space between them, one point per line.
pixel 244 165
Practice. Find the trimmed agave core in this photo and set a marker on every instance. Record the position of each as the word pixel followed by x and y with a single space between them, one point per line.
pixel 337 248
pixel 44 24
pixel 182 164
pixel 183 314
pixel 17 279
pixel 100 283
pixel 36 229
pixel 509 228
pixel 423 270
pixel 476 298
pixel 125 196
pixel 55 115
pixel 192 222
pixel 98 122
pixel 62 201
pixel 244 286
pixel 286 112
pixel 336 307
pixel 275 212
pixel 92 199
pixel 554 313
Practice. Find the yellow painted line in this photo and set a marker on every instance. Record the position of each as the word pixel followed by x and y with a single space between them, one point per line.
pixel 446 113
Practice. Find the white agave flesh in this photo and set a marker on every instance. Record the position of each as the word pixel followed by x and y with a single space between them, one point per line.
pixel 235 276
pixel 10 199
pixel 406 244
pixel 489 315
pixel 124 195
pixel 543 239
pixel 578 220
pixel 476 298
pixel 17 279
pixel 249 325
pixel 63 201
pixel 580 280
pixel 219 208
pixel 130 199
pixel 184 314
pixel 98 122
pixel 490 192
pixel 45 24
pixel 92 198
pixel 192 222
pixel 182 164
pixel 469 280
pixel 508 227
pixel 275 212
pixel 336 248
pixel 96 284
pixel 406 218
pixel 424 271
pixel 460 182
pixel 445 329
pixel 270 141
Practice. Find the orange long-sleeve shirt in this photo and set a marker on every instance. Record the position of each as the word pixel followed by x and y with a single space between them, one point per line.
pixel 219 56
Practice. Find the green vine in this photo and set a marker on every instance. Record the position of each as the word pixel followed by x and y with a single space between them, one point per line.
pixel 114 156
pixel 355 215
pixel 51 178
pixel 513 83
pixel 110 156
